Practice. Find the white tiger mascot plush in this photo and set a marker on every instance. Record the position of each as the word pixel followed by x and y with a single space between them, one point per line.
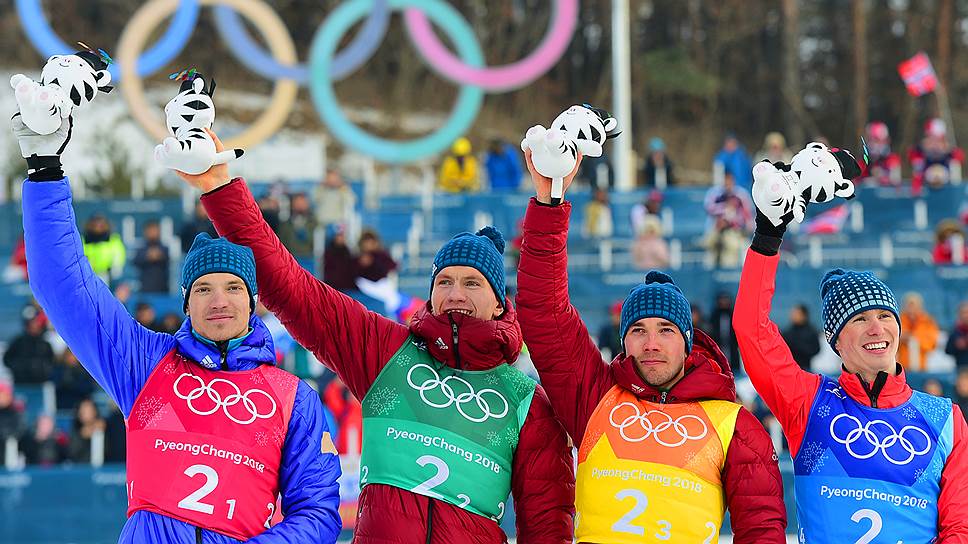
pixel 66 82
pixel 816 174
pixel 554 151
pixel 192 149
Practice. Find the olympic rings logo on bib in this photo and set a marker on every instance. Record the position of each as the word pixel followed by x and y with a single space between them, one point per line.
pixel 641 423
pixel 325 65
pixel 878 444
pixel 226 402
pixel 459 392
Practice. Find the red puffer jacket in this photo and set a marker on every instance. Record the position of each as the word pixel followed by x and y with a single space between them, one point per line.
pixel 577 378
pixel 356 344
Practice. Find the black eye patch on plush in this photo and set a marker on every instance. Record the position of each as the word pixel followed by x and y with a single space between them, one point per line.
pixel 196 105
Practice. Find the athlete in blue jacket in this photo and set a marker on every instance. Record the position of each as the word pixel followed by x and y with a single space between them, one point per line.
pixel 214 430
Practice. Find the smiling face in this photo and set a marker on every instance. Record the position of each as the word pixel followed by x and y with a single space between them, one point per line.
pixel 218 304
pixel 868 342
pixel 463 289
pixel 659 350
pixel 74 76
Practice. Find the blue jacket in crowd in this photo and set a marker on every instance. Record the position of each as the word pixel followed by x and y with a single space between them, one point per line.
pixel 121 354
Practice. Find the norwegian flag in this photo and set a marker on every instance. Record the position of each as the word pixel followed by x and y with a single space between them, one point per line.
pixel 918 74
pixel 828 222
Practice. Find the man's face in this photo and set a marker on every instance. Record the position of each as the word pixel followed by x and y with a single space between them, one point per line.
pixel 868 342
pixel 218 305
pixel 463 289
pixel 152 232
pixel 659 350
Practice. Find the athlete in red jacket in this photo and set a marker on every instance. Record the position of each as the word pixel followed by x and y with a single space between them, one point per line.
pixel 873 459
pixel 663 447
pixel 463 328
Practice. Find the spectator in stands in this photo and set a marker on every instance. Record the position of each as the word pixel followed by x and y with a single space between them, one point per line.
pixel 503 163
pixel 73 384
pixel 348 414
pixel 103 248
pixel 699 319
pixel 721 329
pixel 45 445
pixel 934 160
pixel 86 423
pixel 152 260
pixel 458 172
pixel 114 435
pixel 122 292
pixel 733 159
pixel 774 149
pixel 610 334
pixel 11 414
pixel 335 200
pixel 950 246
pixel 339 264
pixel 916 324
pixel 374 261
pixel 961 391
pixel 801 336
pixel 957 345
pixel 650 207
pixel 190 229
pixel 649 249
pixel 170 323
pixel 16 271
pixel 269 206
pixel 298 233
pixel 29 355
pixel 730 211
pixel 884 166
pixel 144 314
pixel 658 169
pixel 598 216
pixel 933 386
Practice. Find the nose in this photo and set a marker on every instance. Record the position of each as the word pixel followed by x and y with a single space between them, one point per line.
pixel 876 328
pixel 219 300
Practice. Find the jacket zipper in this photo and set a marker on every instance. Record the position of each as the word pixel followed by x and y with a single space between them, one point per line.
pixel 430 518
pixel 223 348
pixel 453 328
pixel 874 390
pixel 198 535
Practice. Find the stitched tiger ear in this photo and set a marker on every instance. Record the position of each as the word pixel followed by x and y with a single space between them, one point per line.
pixel 211 87
pixel 198 85
pixel 102 78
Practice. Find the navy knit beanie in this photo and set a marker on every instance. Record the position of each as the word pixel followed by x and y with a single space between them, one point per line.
pixel 483 251
pixel 659 296
pixel 209 255
pixel 847 293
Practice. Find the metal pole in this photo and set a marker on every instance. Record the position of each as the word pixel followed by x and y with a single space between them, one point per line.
pixel 622 95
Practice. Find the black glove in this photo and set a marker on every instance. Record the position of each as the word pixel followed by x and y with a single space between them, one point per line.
pixel 42 152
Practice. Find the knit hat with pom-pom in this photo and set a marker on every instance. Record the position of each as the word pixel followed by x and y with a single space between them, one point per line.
pixel 483 251
pixel 659 296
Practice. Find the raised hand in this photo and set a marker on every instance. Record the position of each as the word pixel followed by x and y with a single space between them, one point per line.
pixel 214 177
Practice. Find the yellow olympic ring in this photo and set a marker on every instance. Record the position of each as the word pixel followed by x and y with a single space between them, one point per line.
pixel 266 21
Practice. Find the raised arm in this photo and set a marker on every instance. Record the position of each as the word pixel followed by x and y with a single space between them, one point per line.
pixel 117 351
pixel 307 477
pixel 953 501
pixel 543 485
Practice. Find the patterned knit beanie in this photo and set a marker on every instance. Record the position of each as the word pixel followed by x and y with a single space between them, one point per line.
pixel 847 293
pixel 209 255
pixel 659 296
pixel 483 251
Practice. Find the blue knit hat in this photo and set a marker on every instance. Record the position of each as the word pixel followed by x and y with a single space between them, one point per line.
pixel 659 296
pixel 847 293
pixel 483 251
pixel 209 255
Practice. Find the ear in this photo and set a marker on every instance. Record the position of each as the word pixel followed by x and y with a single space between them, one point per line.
pixel 102 77
pixel 198 85
pixel 610 124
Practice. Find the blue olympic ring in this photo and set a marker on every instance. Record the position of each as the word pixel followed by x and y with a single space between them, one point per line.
pixel 469 98
pixel 45 40
pixel 254 57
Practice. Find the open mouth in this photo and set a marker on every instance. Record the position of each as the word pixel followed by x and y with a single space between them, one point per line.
pixel 876 347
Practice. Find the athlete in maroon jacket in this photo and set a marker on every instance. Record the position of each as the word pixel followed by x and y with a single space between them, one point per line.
pixel 357 344
pixel 654 404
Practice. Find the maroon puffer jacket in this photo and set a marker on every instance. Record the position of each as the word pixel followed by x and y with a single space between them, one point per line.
pixel 356 344
pixel 577 378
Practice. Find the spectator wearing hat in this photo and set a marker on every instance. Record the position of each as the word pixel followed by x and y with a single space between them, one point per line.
pixel 334 200
pixel 466 333
pixel 339 264
pixel 649 249
pixel 159 381
pixel 103 248
pixel 610 334
pixel 503 164
pixel 666 371
pixel 950 246
pixel 823 417
pixel 934 160
pixel 733 159
pixel 957 345
pixel 650 207
pixel 458 171
pixel 801 336
pixel 918 325
pixel 774 149
pixel 658 170
pixel 29 356
pixel 883 165
pixel 152 260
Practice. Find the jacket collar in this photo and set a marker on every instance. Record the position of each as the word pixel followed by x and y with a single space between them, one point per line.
pixel 468 343
pixel 707 376
pixel 254 349
pixel 887 391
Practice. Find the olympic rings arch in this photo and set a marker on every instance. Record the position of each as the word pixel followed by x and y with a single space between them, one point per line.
pixel 325 64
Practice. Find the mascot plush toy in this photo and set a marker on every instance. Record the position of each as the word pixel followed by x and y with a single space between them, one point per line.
pixel 816 174
pixel 554 151
pixel 190 148
pixel 66 82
